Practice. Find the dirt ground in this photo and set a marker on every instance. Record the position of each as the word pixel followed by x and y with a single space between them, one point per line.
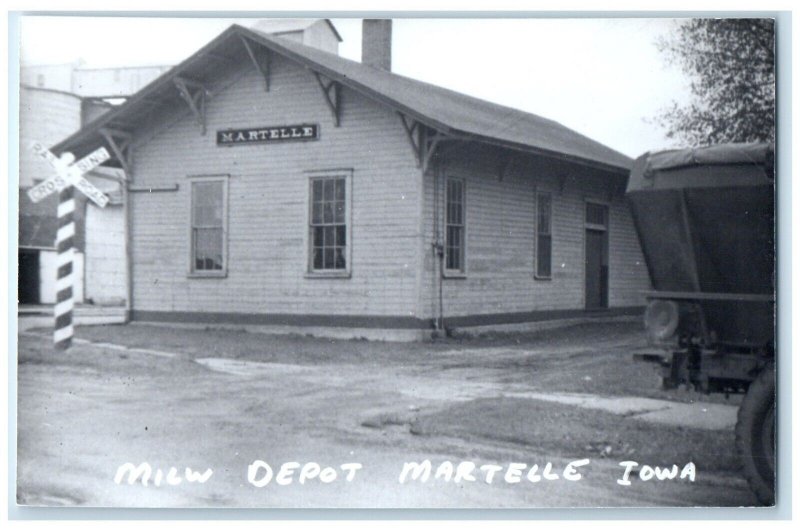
pixel 227 398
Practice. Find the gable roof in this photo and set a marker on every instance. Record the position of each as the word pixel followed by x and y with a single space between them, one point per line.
pixel 448 111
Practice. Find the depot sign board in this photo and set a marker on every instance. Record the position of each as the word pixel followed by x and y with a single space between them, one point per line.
pixel 268 135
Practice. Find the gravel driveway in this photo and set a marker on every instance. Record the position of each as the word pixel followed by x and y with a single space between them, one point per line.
pixel 225 400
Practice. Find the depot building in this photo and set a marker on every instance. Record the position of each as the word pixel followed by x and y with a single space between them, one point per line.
pixel 273 183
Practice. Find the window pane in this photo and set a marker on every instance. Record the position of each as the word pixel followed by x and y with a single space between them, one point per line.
pixel 454 259
pixel 340 189
pixel 329 236
pixel 317 258
pixel 328 195
pixel 208 249
pixel 318 237
pixel 327 212
pixel 207 204
pixel 316 213
pixel 339 217
pixel 543 256
pixel 328 253
pixel 341 235
pixel 317 190
pixel 454 191
pixel 454 247
pixel 596 214
pixel 544 211
pixel 454 212
pixel 341 263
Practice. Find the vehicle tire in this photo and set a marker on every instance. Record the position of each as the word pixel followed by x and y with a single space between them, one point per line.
pixel 755 435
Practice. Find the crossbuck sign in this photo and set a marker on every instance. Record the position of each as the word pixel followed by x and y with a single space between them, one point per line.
pixel 68 175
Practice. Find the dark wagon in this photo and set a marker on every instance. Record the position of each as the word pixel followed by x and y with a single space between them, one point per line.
pixel 706 221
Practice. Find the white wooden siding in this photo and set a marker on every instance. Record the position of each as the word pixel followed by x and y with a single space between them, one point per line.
pixel 500 228
pixel 394 270
pixel 267 260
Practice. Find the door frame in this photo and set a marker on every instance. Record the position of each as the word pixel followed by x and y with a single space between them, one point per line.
pixel 605 229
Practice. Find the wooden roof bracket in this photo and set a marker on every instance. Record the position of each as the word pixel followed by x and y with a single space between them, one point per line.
pixel 194 94
pixel 411 128
pixel 330 91
pixel 423 141
pixel 429 144
pixel 120 144
pixel 262 63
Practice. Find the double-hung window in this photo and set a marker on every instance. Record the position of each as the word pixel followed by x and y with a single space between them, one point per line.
pixel 544 235
pixel 329 224
pixel 455 226
pixel 208 226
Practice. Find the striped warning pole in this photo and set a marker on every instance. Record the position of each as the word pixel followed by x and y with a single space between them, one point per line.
pixel 68 177
pixel 65 244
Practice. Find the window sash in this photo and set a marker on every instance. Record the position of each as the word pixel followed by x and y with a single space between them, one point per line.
pixel 328 224
pixel 455 225
pixel 544 258
pixel 208 253
pixel 544 236
pixel 208 219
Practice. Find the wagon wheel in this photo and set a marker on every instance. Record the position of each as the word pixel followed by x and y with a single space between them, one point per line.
pixel 755 435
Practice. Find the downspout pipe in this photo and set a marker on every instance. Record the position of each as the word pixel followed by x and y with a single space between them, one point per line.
pixel 438 245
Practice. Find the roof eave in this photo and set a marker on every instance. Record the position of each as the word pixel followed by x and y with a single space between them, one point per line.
pixel 93 128
pixel 462 135
pixel 426 120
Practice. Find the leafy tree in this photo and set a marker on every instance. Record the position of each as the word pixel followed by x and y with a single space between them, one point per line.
pixel 731 65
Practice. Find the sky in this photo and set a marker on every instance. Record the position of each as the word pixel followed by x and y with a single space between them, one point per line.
pixel 604 78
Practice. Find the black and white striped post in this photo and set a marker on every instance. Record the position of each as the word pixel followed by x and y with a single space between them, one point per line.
pixel 68 177
pixel 65 246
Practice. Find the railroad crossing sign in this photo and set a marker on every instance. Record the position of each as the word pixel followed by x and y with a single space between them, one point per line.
pixel 68 175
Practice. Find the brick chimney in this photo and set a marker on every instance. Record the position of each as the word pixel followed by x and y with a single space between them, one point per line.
pixel 376 43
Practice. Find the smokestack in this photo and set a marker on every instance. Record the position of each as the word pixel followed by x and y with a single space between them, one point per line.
pixel 376 43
